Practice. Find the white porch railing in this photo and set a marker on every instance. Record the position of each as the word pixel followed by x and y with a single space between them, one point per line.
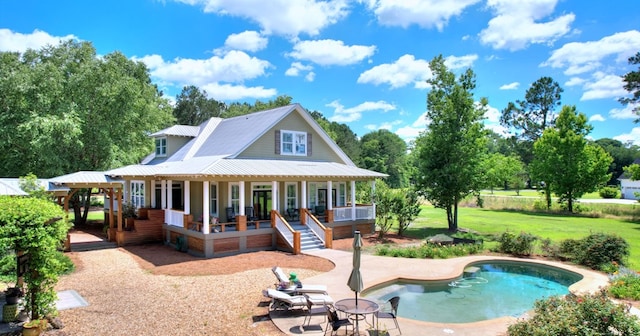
pixel 342 214
pixel 174 217
pixel 285 230
pixel 316 227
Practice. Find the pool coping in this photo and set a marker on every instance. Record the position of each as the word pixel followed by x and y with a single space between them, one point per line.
pixel 377 269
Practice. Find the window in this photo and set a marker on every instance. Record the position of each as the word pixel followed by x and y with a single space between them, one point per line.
pixel 292 195
pixel 342 194
pixel 293 143
pixel 213 193
pixel 137 194
pixel 161 147
pixel 234 196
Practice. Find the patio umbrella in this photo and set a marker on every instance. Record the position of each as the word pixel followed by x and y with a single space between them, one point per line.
pixel 355 279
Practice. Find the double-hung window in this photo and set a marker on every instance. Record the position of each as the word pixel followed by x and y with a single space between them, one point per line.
pixel 161 147
pixel 293 143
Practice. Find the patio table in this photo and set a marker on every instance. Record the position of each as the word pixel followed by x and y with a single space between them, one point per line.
pixel 358 310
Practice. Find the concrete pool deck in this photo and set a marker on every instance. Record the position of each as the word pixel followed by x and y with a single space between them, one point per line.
pixel 376 270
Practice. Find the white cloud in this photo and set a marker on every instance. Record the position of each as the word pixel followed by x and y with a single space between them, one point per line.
pixel 344 115
pixel 310 76
pixel 330 52
pixel 461 62
pixel 424 13
pixel 581 57
pixel 296 68
pixel 632 137
pixel 597 117
pixel 247 40
pixel 405 70
pixel 624 113
pixel 575 81
pixel 492 120
pixel 281 17
pixel 603 86
pixel 412 131
pixel 13 41
pixel 517 24
pixel 235 92
pixel 510 86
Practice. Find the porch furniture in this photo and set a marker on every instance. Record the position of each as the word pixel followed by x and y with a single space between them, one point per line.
pixel 390 313
pixel 313 309
pixel 231 214
pixel 336 322
pixel 308 289
pixel 292 214
pixel 281 300
pixel 358 309
pixel 251 216
pixel 319 210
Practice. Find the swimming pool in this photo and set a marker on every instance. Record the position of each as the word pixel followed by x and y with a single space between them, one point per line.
pixel 487 290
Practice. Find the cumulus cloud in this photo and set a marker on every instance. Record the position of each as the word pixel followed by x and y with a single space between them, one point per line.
pixel 424 13
pixel 632 137
pixel 596 117
pixel 344 115
pixel 510 86
pixel 297 68
pixel 627 112
pixel 517 24
pixel 404 71
pixel 412 131
pixel 247 40
pixel 13 41
pixel 330 52
pixel 460 62
pixel 280 17
pixel 221 76
pixel 575 81
pixel 603 86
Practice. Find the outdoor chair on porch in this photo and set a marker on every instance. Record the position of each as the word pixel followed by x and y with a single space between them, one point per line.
pixel 231 214
pixel 251 216
pixel 292 214
pixel 319 211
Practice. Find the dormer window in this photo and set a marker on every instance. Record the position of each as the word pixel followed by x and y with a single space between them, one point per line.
pixel 161 146
pixel 293 143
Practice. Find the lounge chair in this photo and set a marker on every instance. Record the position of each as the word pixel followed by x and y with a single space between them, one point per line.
pixel 282 300
pixel 306 289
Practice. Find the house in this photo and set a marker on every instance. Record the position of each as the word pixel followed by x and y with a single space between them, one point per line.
pixel 629 187
pixel 241 184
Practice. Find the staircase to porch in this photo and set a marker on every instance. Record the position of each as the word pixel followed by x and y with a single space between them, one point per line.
pixel 308 240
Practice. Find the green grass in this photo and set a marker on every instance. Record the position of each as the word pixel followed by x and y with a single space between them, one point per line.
pixel 545 225
pixel 530 193
pixel 92 216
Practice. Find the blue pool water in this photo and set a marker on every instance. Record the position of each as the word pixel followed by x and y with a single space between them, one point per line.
pixel 497 289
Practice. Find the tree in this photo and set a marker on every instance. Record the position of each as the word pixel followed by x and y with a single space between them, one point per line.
pixel 343 136
pixel 407 208
pixel 385 152
pixel 623 155
pixel 238 109
pixel 33 226
pixel 567 161
pixel 385 199
pixel 64 109
pixel 632 85
pixel 501 171
pixel 531 116
pixel 193 107
pixel 452 147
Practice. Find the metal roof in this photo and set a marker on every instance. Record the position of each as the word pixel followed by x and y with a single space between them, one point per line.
pixel 85 178
pixel 179 130
pixel 9 189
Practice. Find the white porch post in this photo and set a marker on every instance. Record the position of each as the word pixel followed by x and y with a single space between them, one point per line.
pixel 205 208
pixel 373 191
pixel 163 193
pixel 241 202
pixel 303 191
pixel 170 194
pixel 329 195
pixel 353 200
pixel 153 194
pixel 274 195
pixel 187 197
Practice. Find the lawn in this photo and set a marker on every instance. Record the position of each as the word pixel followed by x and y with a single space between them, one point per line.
pixel 554 227
pixel 530 193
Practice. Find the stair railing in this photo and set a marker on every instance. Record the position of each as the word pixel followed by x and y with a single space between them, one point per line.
pixel 290 236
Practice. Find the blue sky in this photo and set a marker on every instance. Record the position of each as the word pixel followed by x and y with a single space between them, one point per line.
pixel 359 62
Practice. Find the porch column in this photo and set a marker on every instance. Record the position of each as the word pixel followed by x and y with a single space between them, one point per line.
pixel 373 192
pixel 187 197
pixel 120 218
pixel 169 194
pixel 205 207
pixel 274 195
pixel 163 194
pixel 153 194
pixel 353 200
pixel 303 191
pixel 241 202
pixel 329 195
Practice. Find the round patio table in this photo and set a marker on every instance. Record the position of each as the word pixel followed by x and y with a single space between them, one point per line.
pixel 358 309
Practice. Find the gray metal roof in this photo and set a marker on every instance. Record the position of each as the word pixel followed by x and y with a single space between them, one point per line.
pixel 7 188
pixel 85 178
pixel 179 130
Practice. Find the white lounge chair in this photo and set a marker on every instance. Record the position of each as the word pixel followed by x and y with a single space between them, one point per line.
pixel 305 289
pixel 281 300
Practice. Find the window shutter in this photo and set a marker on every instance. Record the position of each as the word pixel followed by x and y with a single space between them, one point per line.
pixel 309 144
pixel 277 142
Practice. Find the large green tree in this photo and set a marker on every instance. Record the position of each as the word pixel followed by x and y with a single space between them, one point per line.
pixel 385 152
pixel 238 109
pixel 502 171
pixel 64 109
pixel 452 147
pixel 566 160
pixel 622 154
pixel 193 107
pixel 632 84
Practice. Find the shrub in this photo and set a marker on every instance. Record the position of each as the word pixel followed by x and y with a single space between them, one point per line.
pixel 625 285
pixel 592 314
pixel 430 250
pixel 609 192
pixel 518 245
pixel 598 249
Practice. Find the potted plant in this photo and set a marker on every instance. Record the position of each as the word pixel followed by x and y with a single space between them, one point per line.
pixel 129 213
pixel 34 327
pixel 12 295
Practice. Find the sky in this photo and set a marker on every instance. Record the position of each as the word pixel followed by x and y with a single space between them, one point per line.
pixel 359 62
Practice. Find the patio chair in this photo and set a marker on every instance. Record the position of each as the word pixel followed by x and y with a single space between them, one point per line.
pixel 231 214
pixel 308 289
pixel 336 322
pixel 390 313
pixel 319 210
pixel 311 311
pixel 292 214
pixel 251 216
pixel 282 300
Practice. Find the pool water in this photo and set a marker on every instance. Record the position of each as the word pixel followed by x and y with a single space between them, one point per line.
pixel 495 289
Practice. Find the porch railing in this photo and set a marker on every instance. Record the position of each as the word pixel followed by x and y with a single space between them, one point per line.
pixel 341 214
pixel 314 225
pixel 291 237
pixel 174 217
